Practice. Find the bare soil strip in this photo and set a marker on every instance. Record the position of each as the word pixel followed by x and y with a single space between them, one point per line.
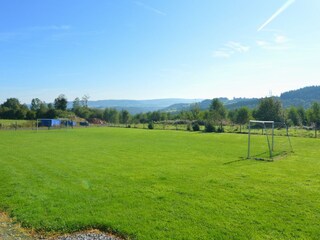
pixel 10 230
pixel 13 231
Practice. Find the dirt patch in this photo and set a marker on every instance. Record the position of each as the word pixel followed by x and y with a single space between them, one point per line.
pixel 9 230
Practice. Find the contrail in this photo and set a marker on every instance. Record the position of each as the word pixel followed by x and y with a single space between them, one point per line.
pixel 280 10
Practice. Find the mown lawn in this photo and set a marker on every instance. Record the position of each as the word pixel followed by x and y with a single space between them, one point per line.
pixel 152 184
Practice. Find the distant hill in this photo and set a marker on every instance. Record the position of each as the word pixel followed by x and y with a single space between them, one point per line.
pixel 301 97
pixel 244 102
pixel 205 104
pixel 138 106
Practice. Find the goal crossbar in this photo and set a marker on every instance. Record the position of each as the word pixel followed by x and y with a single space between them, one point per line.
pixel 263 122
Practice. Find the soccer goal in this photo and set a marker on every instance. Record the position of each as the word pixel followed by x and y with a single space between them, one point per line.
pixel 268 139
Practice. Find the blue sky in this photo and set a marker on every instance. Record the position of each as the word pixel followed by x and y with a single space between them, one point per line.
pixel 128 49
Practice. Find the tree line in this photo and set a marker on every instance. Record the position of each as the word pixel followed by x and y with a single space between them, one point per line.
pixel 214 118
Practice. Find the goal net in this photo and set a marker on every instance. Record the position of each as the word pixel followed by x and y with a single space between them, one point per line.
pixel 268 140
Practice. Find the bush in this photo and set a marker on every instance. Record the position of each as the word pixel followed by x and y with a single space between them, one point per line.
pixel 189 127
pixel 220 129
pixel 195 126
pixel 209 127
pixel 150 125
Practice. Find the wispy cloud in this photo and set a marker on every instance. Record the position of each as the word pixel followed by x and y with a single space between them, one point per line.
pixel 155 10
pixel 238 47
pixel 278 42
pixel 262 43
pixel 280 39
pixel 229 49
pixel 222 54
pixel 276 14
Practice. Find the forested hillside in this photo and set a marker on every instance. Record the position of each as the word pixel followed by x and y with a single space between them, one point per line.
pixel 302 97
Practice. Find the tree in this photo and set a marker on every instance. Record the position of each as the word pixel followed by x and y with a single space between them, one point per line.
pixel 195 111
pixel 302 115
pixel 314 116
pixel 60 103
pixel 111 115
pixel 12 109
pixel 124 117
pixel 35 104
pixel 85 100
pixel 155 116
pixel 76 104
pixel 293 116
pixel 242 116
pixel 31 115
pixel 217 111
pixel 12 103
pixel 269 109
pixel 41 112
pixel 232 114
pixel 51 113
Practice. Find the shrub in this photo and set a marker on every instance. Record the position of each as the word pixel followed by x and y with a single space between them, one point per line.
pixel 209 127
pixel 151 125
pixel 195 126
pixel 220 129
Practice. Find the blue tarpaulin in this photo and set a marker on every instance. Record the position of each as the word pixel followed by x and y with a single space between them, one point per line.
pixel 50 122
pixel 70 123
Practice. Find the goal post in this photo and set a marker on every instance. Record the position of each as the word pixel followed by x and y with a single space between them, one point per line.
pixel 268 139
pixel 264 129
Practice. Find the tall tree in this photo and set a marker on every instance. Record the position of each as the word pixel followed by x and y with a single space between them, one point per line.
pixel 13 109
pixel 269 109
pixel 217 111
pixel 41 112
pixel 242 116
pixel 85 100
pixel 124 117
pixel 111 115
pixel 195 111
pixel 35 104
pixel 76 104
pixel 232 115
pixel 302 115
pixel 12 103
pixel 314 116
pixel 293 116
pixel 60 103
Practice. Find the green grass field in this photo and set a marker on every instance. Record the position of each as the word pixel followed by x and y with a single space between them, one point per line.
pixel 152 184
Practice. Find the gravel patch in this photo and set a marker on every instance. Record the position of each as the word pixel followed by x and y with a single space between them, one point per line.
pixel 12 231
pixel 88 236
